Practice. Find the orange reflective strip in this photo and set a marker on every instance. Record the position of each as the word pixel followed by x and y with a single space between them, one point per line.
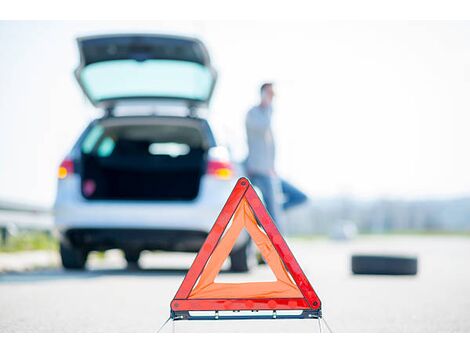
pixel 266 248
pixel 252 290
pixel 207 288
pixel 222 251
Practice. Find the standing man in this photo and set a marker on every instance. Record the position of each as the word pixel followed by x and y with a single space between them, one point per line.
pixel 260 166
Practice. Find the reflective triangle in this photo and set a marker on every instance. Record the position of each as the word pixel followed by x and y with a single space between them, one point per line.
pixel 290 291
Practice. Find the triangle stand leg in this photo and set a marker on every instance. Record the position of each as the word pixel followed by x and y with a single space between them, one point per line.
pixel 326 324
pixel 166 322
pixel 322 320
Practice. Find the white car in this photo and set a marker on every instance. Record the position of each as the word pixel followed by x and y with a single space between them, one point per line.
pixel 148 174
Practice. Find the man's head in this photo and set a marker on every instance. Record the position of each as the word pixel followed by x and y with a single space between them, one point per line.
pixel 267 94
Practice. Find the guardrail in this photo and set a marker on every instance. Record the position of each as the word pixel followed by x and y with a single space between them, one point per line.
pixel 15 217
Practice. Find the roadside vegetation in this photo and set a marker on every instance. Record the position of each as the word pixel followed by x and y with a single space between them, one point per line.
pixel 36 241
pixel 28 241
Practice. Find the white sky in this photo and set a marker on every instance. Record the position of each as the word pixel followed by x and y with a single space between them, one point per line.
pixel 369 109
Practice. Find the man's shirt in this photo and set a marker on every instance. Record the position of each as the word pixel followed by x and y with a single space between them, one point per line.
pixel 261 150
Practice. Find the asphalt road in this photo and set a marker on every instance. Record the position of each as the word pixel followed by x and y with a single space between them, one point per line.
pixel 111 298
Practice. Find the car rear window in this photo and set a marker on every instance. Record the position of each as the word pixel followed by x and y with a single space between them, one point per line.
pixel 118 79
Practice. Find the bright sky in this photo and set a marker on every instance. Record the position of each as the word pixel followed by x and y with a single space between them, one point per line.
pixel 368 109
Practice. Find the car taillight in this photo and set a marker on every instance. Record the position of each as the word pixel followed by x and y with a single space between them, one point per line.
pixel 220 169
pixel 65 169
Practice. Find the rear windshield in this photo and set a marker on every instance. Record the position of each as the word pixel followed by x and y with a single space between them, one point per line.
pixel 120 79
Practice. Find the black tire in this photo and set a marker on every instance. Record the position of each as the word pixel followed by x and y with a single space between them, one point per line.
pixel 132 256
pixel 384 265
pixel 72 258
pixel 242 259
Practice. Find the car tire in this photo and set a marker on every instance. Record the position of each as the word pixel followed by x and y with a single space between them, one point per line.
pixel 132 257
pixel 242 259
pixel 384 265
pixel 72 258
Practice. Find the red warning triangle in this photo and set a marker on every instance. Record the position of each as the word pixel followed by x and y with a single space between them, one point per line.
pixel 200 292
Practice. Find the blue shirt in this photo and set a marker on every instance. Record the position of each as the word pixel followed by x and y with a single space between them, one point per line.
pixel 261 150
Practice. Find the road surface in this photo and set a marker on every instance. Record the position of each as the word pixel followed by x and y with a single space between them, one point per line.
pixel 111 298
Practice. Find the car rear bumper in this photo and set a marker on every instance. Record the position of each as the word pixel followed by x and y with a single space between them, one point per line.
pixel 98 215
pixel 136 239
pixel 153 225
pixel 72 211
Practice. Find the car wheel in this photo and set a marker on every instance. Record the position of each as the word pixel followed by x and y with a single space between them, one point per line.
pixel 72 258
pixel 242 259
pixel 132 256
pixel 384 265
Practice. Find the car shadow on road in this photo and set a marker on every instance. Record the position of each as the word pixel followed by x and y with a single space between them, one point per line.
pixel 60 274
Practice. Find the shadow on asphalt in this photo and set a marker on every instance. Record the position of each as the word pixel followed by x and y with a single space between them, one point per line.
pixel 60 274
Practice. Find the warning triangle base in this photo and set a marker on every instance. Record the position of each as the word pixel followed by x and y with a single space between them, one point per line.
pixel 304 314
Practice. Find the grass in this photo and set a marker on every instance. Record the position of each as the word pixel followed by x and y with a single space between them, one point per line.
pixel 29 241
pixel 36 241
pixel 99 255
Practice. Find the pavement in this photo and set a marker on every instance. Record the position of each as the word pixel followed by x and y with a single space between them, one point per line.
pixel 28 261
pixel 108 297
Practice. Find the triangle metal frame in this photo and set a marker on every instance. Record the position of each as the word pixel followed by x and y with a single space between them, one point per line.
pixel 309 304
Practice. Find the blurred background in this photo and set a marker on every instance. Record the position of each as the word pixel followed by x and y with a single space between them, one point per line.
pixel 370 118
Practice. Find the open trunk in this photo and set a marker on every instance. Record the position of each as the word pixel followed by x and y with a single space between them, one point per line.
pixel 115 69
pixel 144 159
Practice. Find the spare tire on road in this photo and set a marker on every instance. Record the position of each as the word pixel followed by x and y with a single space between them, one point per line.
pixel 384 265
